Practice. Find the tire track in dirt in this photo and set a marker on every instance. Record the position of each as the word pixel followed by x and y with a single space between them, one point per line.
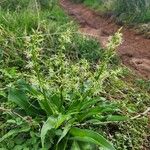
pixel 135 49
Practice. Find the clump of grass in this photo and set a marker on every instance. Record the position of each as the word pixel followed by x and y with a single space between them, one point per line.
pixel 129 11
pixel 133 11
pixel 17 5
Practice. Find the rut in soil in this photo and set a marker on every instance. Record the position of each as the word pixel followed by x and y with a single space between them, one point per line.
pixel 135 49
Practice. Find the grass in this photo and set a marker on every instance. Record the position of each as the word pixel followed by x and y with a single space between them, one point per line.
pixel 54 89
pixel 130 11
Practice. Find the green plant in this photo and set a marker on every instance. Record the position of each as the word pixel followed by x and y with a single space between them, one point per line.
pixel 126 11
pixel 68 95
pixel 132 11
pixel 17 5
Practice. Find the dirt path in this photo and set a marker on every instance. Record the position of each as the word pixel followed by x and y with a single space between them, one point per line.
pixel 134 51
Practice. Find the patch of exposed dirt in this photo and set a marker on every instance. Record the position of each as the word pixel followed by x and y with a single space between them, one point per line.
pixel 135 49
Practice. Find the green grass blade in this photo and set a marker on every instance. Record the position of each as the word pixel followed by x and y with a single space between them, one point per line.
pixel 65 131
pixel 91 137
pixel 75 146
pixel 117 118
pixel 19 97
pixel 52 123
pixel 15 131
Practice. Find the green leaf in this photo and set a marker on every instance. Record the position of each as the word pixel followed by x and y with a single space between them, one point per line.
pixel 117 118
pixel 91 102
pixel 55 99
pixel 46 105
pixel 65 131
pixel 91 137
pixel 3 94
pixel 15 131
pixel 96 111
pixel 52 123
pixel 62 145
pixel 19 97
pixel 27 87
pixel 74 106
pixel 48 125
pixel 75 146
pixel 87 146
pixel 83 105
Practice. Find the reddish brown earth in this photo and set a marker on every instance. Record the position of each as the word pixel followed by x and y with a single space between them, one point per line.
pixel 135 49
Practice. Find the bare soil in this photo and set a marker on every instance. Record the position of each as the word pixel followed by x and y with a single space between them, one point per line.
pixel 134 50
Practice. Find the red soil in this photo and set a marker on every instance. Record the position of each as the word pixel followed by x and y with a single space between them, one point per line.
pixel 135 49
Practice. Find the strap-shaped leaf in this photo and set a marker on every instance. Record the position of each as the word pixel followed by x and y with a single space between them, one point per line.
pixel 48 125
pixel 19 97
pixel 117 118
pixel 75 146
pixel 14 132
pixel 91 137
pixel 96 110
pixel 65 131
pixel 52 123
